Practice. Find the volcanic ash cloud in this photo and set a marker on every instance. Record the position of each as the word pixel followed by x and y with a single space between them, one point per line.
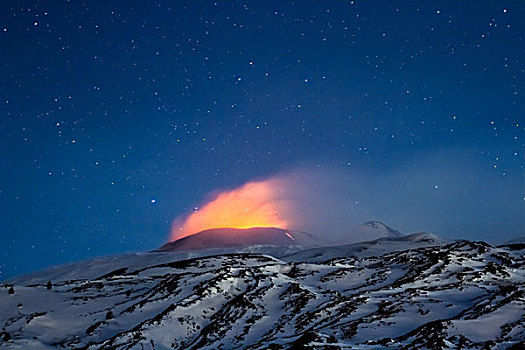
pixel 265 203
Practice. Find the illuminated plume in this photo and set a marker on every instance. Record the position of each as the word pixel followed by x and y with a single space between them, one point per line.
pixel 255 204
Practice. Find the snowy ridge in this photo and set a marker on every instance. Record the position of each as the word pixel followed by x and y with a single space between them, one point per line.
pixel 376 247
pixel 462 294
pixel 368 231
pixel 96 267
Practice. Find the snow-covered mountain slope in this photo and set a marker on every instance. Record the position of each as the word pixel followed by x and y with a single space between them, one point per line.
pixel 460 295
pixel 233 237
pixel 96 267
pixel 376 247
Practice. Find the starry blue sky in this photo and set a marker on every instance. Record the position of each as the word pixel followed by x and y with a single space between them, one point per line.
pixel 117 116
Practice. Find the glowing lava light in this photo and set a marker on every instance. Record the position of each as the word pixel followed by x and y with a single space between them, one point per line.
pixel 255 204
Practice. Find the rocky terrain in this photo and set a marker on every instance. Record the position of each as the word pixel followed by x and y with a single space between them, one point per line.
pixel 413 292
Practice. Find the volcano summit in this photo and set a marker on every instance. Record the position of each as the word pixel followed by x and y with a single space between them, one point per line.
pixel 233 237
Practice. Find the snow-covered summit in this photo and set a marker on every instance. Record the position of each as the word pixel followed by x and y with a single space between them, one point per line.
pixel 272 236
pixel 368 231
pixel 378 226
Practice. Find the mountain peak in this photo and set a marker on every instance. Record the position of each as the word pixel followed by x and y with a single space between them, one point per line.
pixel 235 237
pixel 380 226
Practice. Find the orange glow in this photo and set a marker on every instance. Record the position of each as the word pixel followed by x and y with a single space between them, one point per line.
pixel 255 204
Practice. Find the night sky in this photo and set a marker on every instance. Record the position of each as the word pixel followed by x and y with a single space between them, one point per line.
pixel 118 116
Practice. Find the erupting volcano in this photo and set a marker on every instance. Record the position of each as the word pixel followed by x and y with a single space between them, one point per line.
pixel 255 204
pixel 235 237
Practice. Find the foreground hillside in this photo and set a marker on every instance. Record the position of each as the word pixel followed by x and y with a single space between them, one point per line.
pixel 460 295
